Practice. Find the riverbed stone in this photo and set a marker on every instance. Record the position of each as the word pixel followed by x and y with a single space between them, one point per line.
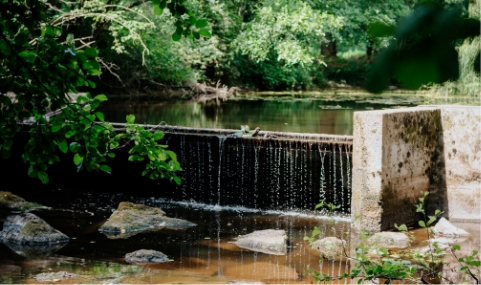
pixel 130 217
pixel 266 241
pixel 54 276
pixel 29 229
pixel 390 240
pixel 13 203
pixel 146 256
pixel 445 228
pixel 330 247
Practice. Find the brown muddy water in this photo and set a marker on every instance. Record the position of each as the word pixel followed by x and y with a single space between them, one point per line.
pixel 202 254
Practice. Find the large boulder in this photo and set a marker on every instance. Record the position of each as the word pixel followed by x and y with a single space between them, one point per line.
pixel 146 256
pixel 389 240
pixel 445 228
pixel 29 229
pixel 132 218
pixel 14 203
pixel 330 247
pixel 266 241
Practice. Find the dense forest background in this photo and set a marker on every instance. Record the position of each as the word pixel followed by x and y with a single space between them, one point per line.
pixel 254 45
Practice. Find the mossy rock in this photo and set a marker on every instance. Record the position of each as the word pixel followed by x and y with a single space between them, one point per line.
pixel 14 203
pixel 54 276
pixel 130 218
pixel 29 229
pixel 146 256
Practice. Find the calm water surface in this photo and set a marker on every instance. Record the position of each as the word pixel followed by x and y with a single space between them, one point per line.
pixel 322 113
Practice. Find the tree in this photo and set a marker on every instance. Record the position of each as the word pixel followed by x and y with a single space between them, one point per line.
pixel 42 63
pixel 423 48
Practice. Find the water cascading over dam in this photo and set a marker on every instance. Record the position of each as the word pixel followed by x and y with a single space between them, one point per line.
pixel 281 171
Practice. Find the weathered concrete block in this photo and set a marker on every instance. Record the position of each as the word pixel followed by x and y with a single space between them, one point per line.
pixel 456 181
pixel 397 154
pixel 392 155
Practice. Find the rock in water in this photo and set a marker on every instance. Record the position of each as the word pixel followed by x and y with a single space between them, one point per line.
pixel 54 276
pixel 146 256
pixel 28 229
pixel 14 203
pixel 445 228
pixel 390 240
pixel 130 217
pixel 330 247
pixel 266 241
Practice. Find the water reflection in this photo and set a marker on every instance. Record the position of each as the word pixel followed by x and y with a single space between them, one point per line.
pixel 323 113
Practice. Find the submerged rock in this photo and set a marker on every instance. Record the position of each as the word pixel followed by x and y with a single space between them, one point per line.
pixel 54 276
pixel 266 241
pixel 146 256
pixel 445 228
pixel 14 203
pixel 130 218
pixel 29 229
pixel 390 240
pixel 330 247
pixel 34 251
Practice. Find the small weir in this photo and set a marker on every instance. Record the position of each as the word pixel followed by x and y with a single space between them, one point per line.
pixel 281 171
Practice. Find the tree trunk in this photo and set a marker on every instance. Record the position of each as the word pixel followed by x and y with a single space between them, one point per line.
pixel 329 49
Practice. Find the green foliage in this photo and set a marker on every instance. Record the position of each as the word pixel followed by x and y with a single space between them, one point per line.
pixel 350 71
pixel 423 49
pixel 275 75
pixel 329 206
pixel 408 267
pixel 38 71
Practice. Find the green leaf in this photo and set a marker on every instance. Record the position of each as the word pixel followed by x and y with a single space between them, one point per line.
pixel 63 146
pixel 6 153
pixel 111 154
pixel 158 10
pixel 172 155
pixel 177 179
pixel 130 119
pixel 57 126
pixel 91 52
pixel 158 135
pixel 42 175
pixel 145 172
pixel 77 159
pixel 100 115
pixel 105 167
pixel 74 147
pixel 422 224
pixel 201 23
pixel 176 37
pixel 32 172
pixel 101 98
pixel 204 33
pixel 70 133
pixel 163 4
pixel 456 247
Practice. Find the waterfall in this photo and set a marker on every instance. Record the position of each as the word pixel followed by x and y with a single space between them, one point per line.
pixel 281 172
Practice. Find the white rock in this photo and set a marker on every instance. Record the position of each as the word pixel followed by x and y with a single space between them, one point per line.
pixel 390 240
pixel 330 247
pixel 266 241
pixel 445 228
